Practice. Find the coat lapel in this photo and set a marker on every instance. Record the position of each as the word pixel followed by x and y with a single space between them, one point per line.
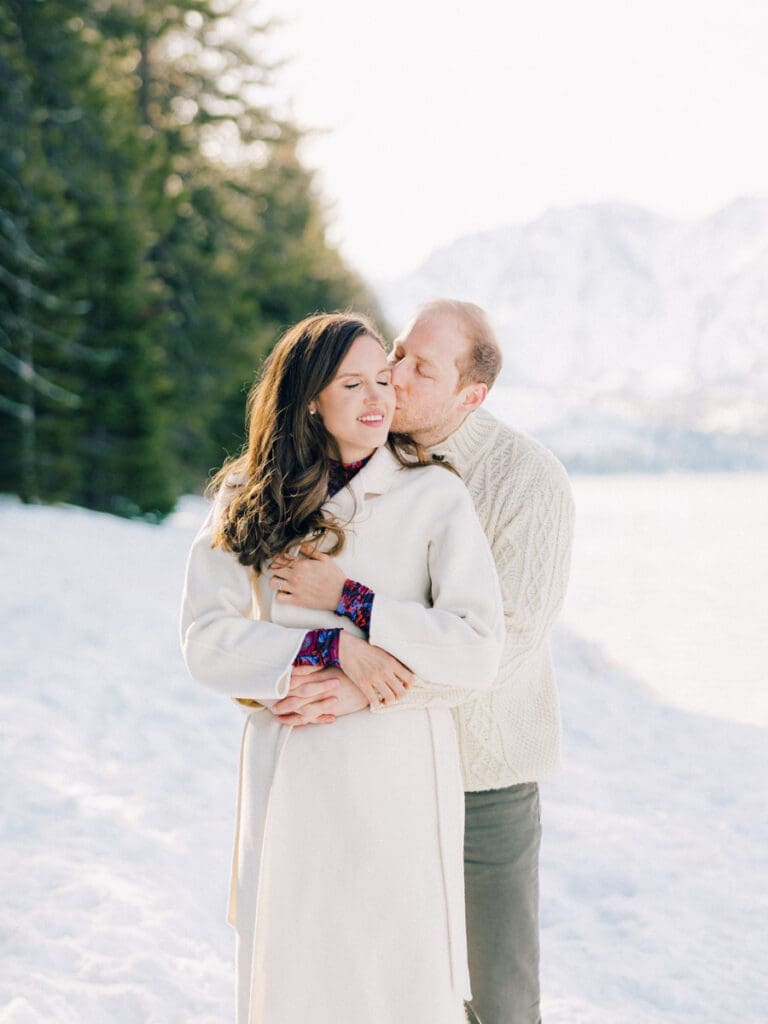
pixel 375 477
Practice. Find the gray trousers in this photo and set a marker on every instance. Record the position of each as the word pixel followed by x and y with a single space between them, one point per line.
pixel 501 881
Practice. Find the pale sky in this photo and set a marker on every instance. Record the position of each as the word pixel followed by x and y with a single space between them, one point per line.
pixel 443 118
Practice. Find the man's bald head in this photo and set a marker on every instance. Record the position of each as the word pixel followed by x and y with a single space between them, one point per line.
pixel 482 360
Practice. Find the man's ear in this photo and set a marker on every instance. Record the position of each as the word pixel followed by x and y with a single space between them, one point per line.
pixel 474 396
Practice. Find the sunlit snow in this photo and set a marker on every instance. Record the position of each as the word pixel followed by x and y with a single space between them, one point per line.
pixel 118 803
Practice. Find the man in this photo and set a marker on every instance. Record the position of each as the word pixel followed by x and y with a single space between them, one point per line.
pixel 443 365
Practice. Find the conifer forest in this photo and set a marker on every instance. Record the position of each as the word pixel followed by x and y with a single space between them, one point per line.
pixel 158 231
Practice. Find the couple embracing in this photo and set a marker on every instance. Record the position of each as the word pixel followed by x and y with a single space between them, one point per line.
pixel 375 584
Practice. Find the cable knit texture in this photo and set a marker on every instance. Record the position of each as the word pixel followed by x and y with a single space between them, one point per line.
pixel 523 499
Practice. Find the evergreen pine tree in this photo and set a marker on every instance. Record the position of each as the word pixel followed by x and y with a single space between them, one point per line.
pixel 157 232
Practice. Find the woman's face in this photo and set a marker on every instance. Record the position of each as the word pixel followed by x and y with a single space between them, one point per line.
pixel 357 406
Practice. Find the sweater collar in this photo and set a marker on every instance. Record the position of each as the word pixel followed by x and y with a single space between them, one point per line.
pixel 466 439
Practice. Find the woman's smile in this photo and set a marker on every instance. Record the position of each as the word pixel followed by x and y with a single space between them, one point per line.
pixel 364 378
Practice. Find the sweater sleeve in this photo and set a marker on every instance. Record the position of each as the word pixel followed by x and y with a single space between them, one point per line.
pixel 532 548
pixel 223 646
pixel 531 545
pixel 457 641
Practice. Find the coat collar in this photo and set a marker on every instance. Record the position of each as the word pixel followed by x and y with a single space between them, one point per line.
pixel 375 477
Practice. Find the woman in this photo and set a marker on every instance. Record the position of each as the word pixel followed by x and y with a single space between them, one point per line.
pixel 347 893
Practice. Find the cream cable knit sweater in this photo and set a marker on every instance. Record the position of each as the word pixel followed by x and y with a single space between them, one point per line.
pixel 523 499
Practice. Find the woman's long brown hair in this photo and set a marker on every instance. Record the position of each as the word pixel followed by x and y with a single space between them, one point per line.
pixel 280 481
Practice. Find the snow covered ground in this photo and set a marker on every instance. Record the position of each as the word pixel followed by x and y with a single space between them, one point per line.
pixel 118 800
pixel 670 577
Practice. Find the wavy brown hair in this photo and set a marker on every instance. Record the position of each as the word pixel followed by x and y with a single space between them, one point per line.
pixel 280 480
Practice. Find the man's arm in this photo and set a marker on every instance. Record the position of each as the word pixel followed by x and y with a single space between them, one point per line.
pixel 313 579
pixel 457 637
pixel 532 550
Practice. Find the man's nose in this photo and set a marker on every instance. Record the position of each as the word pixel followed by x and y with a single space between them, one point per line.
pixel 395 374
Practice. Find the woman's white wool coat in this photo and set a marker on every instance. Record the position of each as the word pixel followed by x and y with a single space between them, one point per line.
pixel 347 868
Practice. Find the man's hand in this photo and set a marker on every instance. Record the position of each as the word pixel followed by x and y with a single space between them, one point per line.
pixel 310 580
pixel 318 696
pixel 380 676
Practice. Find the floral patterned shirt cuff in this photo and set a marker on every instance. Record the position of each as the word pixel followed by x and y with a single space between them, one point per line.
pixel 356 604
pixel 320 647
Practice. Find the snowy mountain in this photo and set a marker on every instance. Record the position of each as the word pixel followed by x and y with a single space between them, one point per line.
pixel 630 340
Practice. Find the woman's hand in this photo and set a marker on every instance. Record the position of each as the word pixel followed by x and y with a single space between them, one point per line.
pixel 311 579
pixel 379 675
pixel 318 696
